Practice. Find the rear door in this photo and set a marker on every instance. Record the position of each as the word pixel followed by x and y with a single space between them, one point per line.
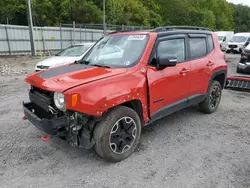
pixel 202 62
pixel 169 87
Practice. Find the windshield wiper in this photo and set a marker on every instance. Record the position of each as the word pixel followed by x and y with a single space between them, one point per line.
pixel 100 65
pixel 83 62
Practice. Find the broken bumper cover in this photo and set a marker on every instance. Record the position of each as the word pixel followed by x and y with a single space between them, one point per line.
pixel 37 117
pixel 239 83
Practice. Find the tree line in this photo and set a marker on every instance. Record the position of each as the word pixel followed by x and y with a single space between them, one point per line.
pixel 215 14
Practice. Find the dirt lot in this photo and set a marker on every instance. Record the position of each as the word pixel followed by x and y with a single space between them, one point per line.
pixel 186 149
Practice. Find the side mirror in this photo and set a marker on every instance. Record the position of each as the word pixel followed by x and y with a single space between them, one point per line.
pixel 225 38
pixel 166 61
pixel 246 43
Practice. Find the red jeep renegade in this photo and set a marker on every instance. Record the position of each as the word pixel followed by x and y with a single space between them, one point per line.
pixel 126 81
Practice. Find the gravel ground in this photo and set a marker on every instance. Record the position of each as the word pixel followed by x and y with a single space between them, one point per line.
pixel 185 149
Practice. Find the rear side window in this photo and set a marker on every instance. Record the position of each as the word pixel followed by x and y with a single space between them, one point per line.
pixel 210 43
pixel 198 47
pixel 172 47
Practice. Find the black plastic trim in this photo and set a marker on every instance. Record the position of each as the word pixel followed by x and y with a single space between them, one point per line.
pixel 50 126
pixel 169 109
pixel 40 100
pixel 174 107
pixel 218 72
pixel 159 100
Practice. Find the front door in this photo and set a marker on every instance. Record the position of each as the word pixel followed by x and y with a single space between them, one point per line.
pixel 169 88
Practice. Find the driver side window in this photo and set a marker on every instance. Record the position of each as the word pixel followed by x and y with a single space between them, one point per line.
pixel 172 47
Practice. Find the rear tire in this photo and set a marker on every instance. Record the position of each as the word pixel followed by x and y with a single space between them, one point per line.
pixel 212 101
pixel 117 134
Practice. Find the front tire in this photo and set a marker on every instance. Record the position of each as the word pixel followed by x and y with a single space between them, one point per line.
pixel 212 101
pixel 117 134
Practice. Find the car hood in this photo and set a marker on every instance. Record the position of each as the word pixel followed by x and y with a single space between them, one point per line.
pixel 62 78
pixel 57 60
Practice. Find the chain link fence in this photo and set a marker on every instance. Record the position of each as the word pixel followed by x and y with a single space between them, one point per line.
pixel 48 40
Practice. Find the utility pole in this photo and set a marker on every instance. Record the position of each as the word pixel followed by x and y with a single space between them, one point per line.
pixel 104 17
pixel 32 43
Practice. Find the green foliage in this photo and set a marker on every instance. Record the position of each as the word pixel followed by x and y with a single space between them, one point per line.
pixel 215 14
pixel 241 18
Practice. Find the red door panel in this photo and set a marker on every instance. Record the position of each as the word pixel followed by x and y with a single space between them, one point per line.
pixel 168 86
pixel 199 76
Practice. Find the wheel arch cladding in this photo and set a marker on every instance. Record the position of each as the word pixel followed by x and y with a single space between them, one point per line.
pixel 219 76
pixel 136 105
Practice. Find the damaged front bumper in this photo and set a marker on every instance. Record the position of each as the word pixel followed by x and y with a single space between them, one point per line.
pixel 42 121
pixel 74 127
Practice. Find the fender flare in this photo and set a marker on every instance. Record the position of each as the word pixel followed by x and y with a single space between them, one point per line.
pixel 219 72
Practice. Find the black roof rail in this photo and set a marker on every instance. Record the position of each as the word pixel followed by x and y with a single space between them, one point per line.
pixel 123 31
pixel 158 29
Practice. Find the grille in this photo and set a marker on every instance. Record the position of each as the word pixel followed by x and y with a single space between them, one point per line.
pixel 238 84
pixel 42 91
pixel 41 98
pixel 232 46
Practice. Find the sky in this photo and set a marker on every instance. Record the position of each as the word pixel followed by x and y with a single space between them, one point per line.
pixel 244 2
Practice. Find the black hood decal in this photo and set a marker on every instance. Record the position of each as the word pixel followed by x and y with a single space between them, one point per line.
pixel 62 70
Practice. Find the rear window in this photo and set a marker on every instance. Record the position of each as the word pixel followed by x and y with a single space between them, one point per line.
pixel 198 47
pixel 210 43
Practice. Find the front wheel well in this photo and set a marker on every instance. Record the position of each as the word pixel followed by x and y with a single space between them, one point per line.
pixel 220 78
pixel 136 105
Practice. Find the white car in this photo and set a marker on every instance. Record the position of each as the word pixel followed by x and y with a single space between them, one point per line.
pixel 224 37
pixel 66 56
pixel 238 42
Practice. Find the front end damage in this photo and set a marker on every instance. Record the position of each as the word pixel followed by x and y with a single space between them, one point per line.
pixel 74 127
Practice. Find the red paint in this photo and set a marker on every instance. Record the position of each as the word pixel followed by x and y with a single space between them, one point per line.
pixel 45 138
pixel 203 68
pixel 238 78
pixel 100 89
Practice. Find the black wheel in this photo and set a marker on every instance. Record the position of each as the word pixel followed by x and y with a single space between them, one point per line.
pixel 212 101
pixel 117 134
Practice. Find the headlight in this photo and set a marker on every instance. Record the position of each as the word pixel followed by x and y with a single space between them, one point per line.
pixel 59 101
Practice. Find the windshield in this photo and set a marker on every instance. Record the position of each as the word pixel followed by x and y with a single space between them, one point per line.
pixel 238 39
pixel 74 51
pixel 116 51
pixel 220 38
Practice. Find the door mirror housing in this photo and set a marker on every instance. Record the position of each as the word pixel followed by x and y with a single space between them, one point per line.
pixel 166 61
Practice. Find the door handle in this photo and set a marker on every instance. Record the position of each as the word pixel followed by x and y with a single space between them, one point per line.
pixel 210 63
pixel 184 71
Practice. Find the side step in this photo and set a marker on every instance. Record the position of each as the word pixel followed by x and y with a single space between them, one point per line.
pixel 239 83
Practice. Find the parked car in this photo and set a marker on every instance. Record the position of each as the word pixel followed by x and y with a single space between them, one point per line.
pixel 238 42
pixel 66 56
pixel 244 63
pixel 104 103
pixel 224 37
